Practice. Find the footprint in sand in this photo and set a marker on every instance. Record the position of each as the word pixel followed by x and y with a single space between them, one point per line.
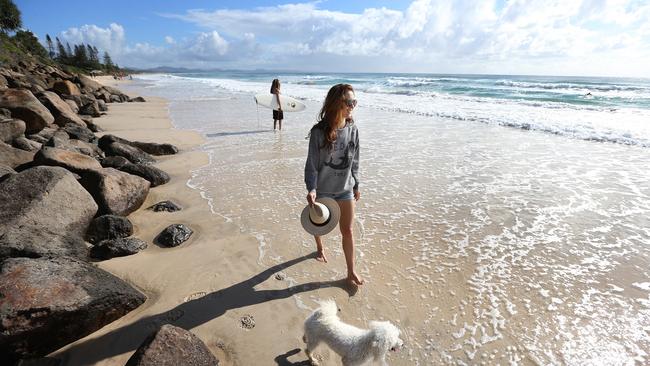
pixel 194 296
pixel 247 321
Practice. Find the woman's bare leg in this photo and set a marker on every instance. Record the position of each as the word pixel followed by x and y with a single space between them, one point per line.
pixel 275 122
pixel 345 224
pixel 320 256
pixel 280 125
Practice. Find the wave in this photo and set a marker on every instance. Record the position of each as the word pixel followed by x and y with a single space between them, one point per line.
pixel 570 86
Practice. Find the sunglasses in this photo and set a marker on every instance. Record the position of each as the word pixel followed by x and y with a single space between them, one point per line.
pixel 351 103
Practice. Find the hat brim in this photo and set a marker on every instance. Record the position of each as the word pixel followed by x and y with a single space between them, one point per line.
pixel 327 227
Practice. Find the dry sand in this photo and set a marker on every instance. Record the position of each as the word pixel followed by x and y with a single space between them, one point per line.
pixel 212 284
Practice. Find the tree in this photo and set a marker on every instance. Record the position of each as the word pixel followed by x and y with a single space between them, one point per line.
pixel 30 43
pixel 9 16
pixel 63 55
pixel 68 50
pixel 50 46
pixel 108 63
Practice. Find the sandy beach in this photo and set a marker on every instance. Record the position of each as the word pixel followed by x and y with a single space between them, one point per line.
pixel 211 285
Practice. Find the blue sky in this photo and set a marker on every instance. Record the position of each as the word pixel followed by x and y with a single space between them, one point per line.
pixel 544 37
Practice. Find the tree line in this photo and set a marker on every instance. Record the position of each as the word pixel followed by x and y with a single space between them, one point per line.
pixel 83 56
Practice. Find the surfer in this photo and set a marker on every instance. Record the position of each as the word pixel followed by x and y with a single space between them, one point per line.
pixel 332 167
pixel 278 116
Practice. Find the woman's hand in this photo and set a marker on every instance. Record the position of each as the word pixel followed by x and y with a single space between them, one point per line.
pixel 357 195
pixel 311 198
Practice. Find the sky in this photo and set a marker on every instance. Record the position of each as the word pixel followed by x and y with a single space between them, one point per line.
pixel 521 37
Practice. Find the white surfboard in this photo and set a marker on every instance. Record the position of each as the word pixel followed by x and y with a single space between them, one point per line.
pixel 288 104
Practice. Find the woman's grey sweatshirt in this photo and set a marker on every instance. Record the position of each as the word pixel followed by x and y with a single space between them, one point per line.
pixel 333 171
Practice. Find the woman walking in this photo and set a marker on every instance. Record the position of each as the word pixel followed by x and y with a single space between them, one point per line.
pixel 332 167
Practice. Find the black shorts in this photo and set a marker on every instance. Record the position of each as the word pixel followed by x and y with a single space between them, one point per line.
pixel 278 115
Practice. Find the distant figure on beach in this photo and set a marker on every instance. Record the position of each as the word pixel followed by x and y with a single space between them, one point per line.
pixel 332 167
pixel 278 115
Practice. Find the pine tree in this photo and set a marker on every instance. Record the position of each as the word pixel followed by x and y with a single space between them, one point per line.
pixel 68 50
pixel 63 55
pixel 50 46
pixel 108 63
pixel 9 16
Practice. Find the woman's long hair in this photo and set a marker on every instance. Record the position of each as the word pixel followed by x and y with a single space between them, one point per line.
pixel 332 112
pixel 275 86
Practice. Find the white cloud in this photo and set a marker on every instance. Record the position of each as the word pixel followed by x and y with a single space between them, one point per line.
pixel 430 35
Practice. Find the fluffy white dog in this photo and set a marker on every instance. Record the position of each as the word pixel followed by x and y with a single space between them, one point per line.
pixel 355 346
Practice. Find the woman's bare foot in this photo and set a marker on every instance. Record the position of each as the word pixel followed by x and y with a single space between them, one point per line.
pixel 354 279
pixel 320 256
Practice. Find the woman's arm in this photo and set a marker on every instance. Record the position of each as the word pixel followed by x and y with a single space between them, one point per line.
pixel 355 164
pixel 313 160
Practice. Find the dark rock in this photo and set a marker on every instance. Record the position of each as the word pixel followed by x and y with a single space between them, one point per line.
pixel 116 192
pixel 137 99
pixel 134 154
pixel 43 361
pixel 115 98
pixel 109 227
pixel 25 144
pixel 5 171
pixel 172 345
pixel 102 105
pixel 73 161
pixel 154 175
pixel 61 111
pixel 91 109
pixel 11 129
pixel 3 83
pixel 13 157
pixel 114 162
pixel 66 87
pixel 168 206
pixel 43 135
pixel 24 105
pixel 80 132
pixel 46 303
pixel 174 235
pixel 5 113
pixel 119 247
pixel 83 147
pixel 148 147
pixel 44 211
pixel 73 106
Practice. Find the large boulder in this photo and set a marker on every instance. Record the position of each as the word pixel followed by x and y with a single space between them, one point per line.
pixel 88 85
pixel 90 109
pixel 5 171
pixel 66 87
pixel 115 192
pixel 154 175
pixel 134 154
pixel 44 211
pixel 25 144
pixel 148 147
pixel 80 132
pixel 61 111
pixel 109 227
pixel 48 303
pixel 13 157
pixel 73 161
pixel 24 105
pixel 172 345
pixel 11 129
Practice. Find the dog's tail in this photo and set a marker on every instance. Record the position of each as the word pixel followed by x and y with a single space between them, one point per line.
pixel 328 308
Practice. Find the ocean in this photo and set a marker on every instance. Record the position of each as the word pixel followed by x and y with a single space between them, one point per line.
pixel 503 219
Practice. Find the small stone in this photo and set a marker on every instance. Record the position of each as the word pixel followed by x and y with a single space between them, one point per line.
pixel 247 322
pixel 174 235
pixel 168 206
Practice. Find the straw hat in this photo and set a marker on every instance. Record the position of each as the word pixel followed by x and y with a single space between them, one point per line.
pixel 322 217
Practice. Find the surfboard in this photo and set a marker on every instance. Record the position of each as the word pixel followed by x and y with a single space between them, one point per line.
pixel 288 104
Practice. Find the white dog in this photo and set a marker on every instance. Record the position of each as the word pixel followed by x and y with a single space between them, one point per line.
pixel 355 346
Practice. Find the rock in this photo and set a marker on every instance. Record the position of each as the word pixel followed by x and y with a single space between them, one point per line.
pixel 91 109
pixel 26 144
pixel 11 129
pixel 168 206
pixel 66 87
pixel 109 227
pixel 44 211
pixel 154 175
pixel 61 111
pixel 4 113
pixel 115 98
pixel 43 135
pixel 5 171
pixel 48 303
pixel 115 192
pixel 148 147
pixel 73 106
pixel 137 99
pixel 119 247
pixel 86 148
pixel 115 162
pixel 42 361
pixel 102 105
pixel 3 83
pixel 12 157
pixel 88 85
pixel 173 235
pixel 172 345
pixel 73 161
pixel 134 154
pixel 79 132
pixel 24 105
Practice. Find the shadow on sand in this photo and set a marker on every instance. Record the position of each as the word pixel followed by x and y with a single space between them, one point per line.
pixel 193 313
